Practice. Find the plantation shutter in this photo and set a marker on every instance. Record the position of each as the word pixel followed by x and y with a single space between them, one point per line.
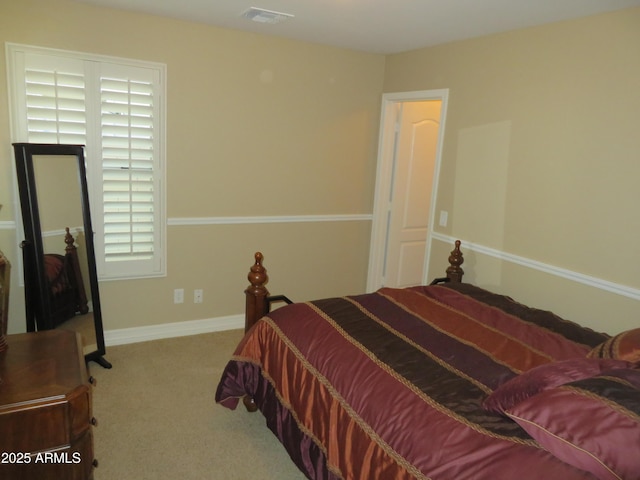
pixel 115 110
pixel 55 101
pixel 128 167
pixel 131 234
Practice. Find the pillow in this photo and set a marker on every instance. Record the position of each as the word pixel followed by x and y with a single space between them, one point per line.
pixel 546 376
pixel 624 346
pixel 592 424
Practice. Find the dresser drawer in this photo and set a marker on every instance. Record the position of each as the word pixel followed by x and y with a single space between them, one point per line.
pixel 80 410
pixel 72 463
pixel 45 408
pixel 38 427
pixel 57 423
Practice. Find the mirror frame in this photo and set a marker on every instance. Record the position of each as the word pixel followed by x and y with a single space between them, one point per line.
pixel 37 300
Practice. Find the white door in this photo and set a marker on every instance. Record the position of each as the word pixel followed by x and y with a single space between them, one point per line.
pixel 408 160
pixel 411 193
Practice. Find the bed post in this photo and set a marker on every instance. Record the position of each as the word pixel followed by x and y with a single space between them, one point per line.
pixel 72 253
pixel 454 271
pixel 257 305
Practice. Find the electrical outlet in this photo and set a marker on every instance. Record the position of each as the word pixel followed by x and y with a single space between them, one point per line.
pixel 444 217
pixel 178 295
pixel 197 296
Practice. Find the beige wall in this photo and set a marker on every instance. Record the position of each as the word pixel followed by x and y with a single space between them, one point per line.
pixel 257 126
pixel 541 158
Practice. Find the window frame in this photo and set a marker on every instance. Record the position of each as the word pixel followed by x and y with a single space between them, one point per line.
pixel 15 54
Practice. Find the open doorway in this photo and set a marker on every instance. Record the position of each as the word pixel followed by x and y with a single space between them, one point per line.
pixel 409 154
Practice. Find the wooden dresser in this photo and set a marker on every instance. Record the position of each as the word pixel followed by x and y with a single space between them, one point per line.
pixel 45 408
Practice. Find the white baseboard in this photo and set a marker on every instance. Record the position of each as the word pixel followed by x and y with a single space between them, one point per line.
pixel 124 336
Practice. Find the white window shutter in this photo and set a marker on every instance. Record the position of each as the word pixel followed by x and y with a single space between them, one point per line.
pixel 115 108
pixel 130 150
pixel 55 101
pixel 128 166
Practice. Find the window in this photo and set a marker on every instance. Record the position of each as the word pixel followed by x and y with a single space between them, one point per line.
pixel 115 107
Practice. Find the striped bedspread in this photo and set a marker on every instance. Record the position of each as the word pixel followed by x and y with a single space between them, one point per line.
pixel 390 385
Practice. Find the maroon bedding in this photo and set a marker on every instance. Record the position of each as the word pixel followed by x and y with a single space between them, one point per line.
pixel 391 385
pixel 56 270
pixel 63 294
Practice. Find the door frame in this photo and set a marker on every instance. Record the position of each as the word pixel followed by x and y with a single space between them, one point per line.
pixel 384 177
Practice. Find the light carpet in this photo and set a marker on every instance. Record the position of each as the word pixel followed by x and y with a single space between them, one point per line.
pixel 157 417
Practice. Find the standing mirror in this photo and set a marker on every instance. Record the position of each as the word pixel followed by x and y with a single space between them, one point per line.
pixel 61 282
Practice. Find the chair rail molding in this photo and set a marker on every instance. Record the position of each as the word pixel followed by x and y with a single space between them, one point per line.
pixel 180 221
pixel 7 225
pixel 589 280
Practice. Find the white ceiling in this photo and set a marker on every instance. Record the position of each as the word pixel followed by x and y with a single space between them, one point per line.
pixel 377 26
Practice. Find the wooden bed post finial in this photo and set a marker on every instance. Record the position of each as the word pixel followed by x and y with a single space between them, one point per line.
pixel 69 240
pixel 256 293
pixel 258 274
pixel 455 272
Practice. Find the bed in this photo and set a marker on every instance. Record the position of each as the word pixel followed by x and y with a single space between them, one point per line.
pixel 67 294
pixel 445 381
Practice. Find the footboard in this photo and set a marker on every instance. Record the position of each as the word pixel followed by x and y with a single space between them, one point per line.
pixel 67 294
pixel 258 300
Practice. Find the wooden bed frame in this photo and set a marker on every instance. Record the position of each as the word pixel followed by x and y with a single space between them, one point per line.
pixel 258 300
pixel 333 377
pixel 73 300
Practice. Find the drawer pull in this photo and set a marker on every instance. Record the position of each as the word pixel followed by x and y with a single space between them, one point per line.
pixel 94 421
pixel 95 463
pixel 93 381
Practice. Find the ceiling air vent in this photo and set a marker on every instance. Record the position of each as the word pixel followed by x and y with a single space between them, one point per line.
pixel 265 16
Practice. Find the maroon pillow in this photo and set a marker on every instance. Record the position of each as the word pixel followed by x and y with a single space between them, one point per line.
pixel 547 376
pixel 624 346
pixel 592 424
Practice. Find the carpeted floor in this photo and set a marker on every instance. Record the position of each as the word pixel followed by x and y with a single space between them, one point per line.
pixel 158 419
